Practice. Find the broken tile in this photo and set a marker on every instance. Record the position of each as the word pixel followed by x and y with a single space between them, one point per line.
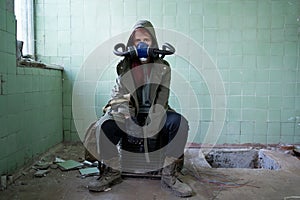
pixel 41 173
pixel 58 160
pixel 3 182
pixel 91 171
pixel 88 163
pixel 69 164
pixel 42 165
pixel 10 179
pixel 95 164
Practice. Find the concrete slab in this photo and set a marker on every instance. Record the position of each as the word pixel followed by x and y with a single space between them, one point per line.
pixel 207 183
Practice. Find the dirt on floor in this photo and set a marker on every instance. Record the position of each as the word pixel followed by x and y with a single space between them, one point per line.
pixel 207 183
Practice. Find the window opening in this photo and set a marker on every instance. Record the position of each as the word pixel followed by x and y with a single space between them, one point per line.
pixel 24 11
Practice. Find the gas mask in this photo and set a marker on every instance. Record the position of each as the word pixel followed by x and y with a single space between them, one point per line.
pixel 143 51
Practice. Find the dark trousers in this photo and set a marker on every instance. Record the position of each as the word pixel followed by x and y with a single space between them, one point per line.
pixel 173 134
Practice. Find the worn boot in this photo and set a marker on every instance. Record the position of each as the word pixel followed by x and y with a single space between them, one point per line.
pixel 170 181
pixel 111 176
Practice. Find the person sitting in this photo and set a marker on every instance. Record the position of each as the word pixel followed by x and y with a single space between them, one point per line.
pixel 141 91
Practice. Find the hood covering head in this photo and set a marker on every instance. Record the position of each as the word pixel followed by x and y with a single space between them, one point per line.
pixel 149 27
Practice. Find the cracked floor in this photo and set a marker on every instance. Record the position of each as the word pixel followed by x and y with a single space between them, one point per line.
pixel 207 183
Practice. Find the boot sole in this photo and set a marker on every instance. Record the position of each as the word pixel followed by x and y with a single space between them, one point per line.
pixel 167 187
pixel 104 187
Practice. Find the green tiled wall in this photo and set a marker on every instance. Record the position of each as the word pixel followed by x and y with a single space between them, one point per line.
pixel 255 45
pixel 30 102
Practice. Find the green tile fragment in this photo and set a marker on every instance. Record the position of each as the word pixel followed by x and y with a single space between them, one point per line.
pixel 69 164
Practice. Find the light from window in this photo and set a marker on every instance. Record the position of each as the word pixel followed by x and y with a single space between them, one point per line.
pixel 25 25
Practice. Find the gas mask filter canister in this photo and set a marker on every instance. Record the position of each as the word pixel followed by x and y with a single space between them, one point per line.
pixel 143 51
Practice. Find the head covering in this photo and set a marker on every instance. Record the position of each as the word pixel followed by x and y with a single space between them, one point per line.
pixel 149 27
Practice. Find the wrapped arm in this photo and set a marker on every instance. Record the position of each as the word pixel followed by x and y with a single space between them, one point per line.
pixel 120 102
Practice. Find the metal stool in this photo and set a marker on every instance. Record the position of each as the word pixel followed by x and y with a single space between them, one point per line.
pixel 138 161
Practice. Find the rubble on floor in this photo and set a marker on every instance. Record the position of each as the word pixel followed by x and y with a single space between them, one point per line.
pixel 63 173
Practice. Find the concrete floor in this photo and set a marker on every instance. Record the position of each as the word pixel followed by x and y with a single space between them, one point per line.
pixel 207 183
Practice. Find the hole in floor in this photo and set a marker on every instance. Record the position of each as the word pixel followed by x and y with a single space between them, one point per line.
pixel 241 158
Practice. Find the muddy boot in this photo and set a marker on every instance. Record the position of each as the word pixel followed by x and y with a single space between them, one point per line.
pixel 170 181
pixel 111 176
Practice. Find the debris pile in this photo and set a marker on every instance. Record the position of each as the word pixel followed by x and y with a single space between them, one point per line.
pixel 43 167
pixel 85 168
pixel 290 149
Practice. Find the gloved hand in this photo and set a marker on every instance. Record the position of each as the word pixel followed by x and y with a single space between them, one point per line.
pixel 134 131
